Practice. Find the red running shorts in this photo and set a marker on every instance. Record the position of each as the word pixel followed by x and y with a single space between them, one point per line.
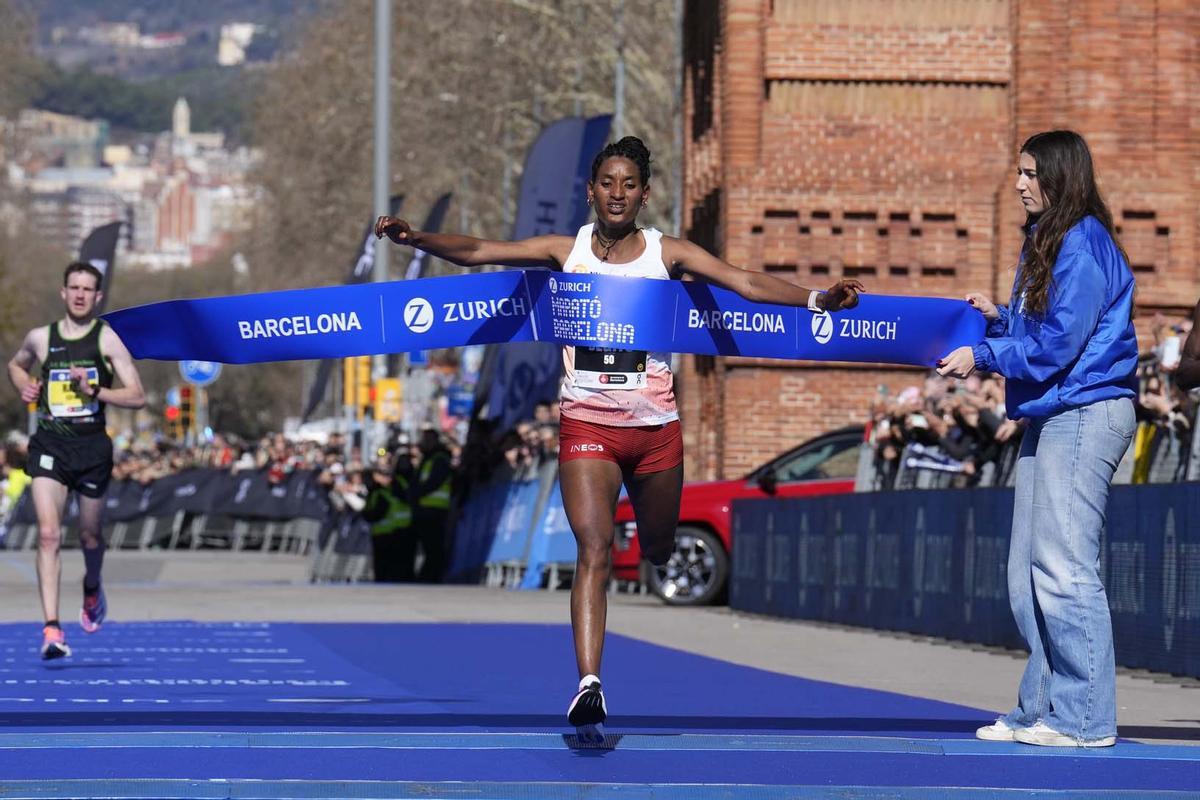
pixel 639 450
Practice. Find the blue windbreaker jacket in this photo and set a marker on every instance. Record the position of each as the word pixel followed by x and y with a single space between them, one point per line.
pixel 1084 350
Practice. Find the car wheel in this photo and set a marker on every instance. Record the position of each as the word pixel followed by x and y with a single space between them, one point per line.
pixel 697 571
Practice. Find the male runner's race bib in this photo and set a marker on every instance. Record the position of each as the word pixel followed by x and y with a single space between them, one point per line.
pixel 64 401
pixel 597 368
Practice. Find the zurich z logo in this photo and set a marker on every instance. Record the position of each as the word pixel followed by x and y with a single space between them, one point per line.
pixel 418 315
pixel 822 327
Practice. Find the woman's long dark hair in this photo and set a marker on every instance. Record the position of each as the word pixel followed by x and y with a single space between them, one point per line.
pixel 1068 183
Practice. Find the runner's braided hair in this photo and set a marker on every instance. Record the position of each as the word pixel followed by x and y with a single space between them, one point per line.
pixel 630 147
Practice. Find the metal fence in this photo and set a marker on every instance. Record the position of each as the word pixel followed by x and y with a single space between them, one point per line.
pixel 1161 452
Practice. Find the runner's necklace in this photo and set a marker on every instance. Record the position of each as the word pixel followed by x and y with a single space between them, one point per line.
pixel 610 243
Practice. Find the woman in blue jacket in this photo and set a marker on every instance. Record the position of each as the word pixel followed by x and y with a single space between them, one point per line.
pixel 1066 345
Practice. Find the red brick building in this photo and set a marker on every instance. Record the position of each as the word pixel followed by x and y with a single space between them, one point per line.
pixel 877 139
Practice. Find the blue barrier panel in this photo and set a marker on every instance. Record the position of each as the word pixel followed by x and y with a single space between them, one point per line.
pixel 553 542
pixel 476 526
pixel 779 568
pixel 883 523
pixel 515 524
pixel 986 616
pixel 747 576
pixel 935 563
pixel 1123 567
pixel 1152 572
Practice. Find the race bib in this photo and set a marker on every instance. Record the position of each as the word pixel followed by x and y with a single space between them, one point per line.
pixel 597 368
pixel 64 401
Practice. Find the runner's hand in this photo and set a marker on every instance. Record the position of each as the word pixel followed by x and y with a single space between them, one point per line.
pixel 79 379
pixel 842 295
pixel 31 391
pixel 394 228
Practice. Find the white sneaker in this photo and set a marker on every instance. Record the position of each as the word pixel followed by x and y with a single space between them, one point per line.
pixel 1045 736
pixel 998 731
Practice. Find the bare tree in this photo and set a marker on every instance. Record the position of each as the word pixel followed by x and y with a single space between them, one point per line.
pixel 473 83
pixel 17 65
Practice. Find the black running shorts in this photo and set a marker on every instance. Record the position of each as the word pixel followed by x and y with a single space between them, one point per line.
pixel 81 463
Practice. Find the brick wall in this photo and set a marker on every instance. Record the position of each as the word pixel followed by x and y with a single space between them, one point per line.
pixel 876 139
pixel 1127 76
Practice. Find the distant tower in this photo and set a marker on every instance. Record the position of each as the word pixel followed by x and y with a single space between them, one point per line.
pixel 181 119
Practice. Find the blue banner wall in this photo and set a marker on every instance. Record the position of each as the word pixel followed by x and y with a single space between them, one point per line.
pixel 935 563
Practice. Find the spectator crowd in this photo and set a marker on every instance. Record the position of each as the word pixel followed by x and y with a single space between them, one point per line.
pixel 960 431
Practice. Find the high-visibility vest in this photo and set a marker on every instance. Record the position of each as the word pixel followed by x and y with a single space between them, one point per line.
pixel 399 512
pixel 439 498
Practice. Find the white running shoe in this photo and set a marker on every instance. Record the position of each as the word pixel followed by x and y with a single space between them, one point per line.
pixel 1045 736
pixel 998 731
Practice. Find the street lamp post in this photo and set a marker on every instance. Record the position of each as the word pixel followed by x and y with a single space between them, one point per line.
pixel 382 189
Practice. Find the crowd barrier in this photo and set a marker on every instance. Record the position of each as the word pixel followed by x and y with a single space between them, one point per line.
pixel 207 508
pixel 934 563
pixel 928 467
pixel 510 533
pixel 1161 453
pixel 513 532
pixel 343 551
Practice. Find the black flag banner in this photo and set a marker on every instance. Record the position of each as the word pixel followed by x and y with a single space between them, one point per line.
pixel 552 200
pixel 360 272
pixel 100 250
pixel 416 264
pixel 433 223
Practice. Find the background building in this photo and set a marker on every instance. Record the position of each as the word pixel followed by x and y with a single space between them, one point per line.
pixel 182 193
pixel 877 140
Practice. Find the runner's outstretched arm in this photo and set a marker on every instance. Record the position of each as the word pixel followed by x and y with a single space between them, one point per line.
pixel 756 286
pixel 468 251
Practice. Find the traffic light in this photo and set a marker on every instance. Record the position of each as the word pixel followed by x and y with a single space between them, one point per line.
pixel 356 384
pixel 363 379
pixel 171 414
pixel 186 409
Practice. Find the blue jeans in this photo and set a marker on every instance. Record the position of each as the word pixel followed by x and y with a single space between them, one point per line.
pixel 1064 471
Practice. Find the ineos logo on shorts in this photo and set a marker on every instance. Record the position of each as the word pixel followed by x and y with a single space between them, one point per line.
pixel 553 286
pixel 587 448
pixel 822 327
pixel 418 315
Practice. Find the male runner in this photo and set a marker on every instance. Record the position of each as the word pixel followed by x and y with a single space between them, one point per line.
pixel 71 451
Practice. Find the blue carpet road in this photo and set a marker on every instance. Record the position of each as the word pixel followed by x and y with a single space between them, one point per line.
pixel 257 710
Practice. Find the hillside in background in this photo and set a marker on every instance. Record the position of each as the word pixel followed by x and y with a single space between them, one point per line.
pixel 157 16
pixel 169 49
pixel 218 96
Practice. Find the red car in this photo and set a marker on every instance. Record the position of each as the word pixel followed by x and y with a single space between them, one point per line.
pixel 699 567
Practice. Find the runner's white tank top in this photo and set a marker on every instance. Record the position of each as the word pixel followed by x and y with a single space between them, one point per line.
pixel 618 387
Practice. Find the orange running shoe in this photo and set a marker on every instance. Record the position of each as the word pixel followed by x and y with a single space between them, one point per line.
pixel 54 643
